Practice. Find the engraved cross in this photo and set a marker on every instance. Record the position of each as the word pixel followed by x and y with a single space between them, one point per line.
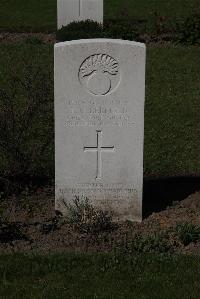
pixel 99 149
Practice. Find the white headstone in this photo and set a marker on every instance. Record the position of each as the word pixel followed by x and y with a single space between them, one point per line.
pixel 99 124
pixel 77 10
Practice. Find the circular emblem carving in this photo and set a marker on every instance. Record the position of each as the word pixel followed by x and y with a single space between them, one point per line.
pixel 99 74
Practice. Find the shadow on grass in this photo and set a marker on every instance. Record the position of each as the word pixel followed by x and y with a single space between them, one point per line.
pixel 159 193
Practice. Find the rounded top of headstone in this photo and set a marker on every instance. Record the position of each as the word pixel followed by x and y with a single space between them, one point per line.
pixel 100 40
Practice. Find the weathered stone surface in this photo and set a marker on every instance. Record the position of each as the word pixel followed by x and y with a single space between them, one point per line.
pixel 99 124
pixel 77 10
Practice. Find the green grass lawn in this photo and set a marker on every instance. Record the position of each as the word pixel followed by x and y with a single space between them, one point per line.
pixel 27 15
pixel 172 126
pixel 99 276
pixel 147 8
pixel 40 15
pixel 172 109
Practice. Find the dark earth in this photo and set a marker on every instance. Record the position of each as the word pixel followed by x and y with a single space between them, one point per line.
pixel 46 38
pixel 29 224
pixel 7 37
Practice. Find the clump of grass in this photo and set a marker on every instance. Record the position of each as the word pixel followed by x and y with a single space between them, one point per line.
pixel 86 218
pixel 155 243
pixel 188 233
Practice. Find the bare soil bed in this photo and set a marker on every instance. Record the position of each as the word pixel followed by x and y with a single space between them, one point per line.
pixel 162 40
pixel 29 224
pixel 7 37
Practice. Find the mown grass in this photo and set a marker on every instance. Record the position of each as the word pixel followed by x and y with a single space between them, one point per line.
pixel 172 108
pixel 172 126
pixel 31 15
pixel 27 76
pixel 147 8
pixel 99 276
pixel 40 15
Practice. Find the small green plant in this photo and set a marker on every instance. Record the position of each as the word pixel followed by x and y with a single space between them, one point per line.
pixel 155 243
pixel 86 218
pixel 188 233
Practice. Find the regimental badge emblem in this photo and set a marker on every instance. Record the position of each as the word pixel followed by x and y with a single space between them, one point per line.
pixel 99 74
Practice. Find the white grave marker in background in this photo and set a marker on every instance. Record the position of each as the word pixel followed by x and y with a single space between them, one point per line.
pixel 77 10
pixel 99 124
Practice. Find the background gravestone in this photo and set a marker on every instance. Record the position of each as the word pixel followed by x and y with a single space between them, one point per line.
pixel 99 124
pixel 78 10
